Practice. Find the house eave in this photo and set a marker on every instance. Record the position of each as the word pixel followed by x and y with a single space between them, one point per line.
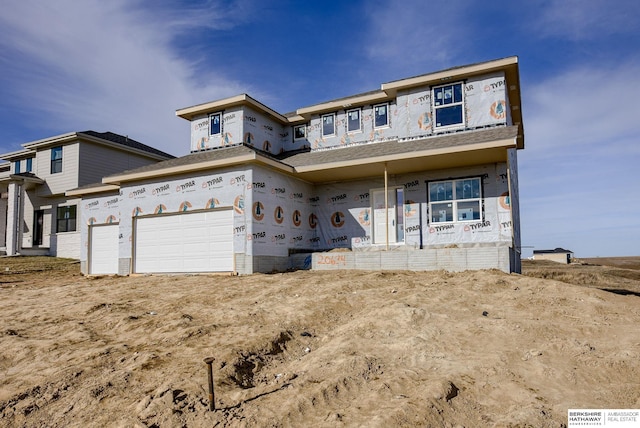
pixel 102 188
pixel 408 162
pixel 255 158
pixel 190 113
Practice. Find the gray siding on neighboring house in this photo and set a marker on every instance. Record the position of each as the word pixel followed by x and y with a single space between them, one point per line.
pixel 62 181
pixel 97 161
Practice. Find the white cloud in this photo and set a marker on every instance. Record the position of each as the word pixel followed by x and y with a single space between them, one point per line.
pixel 107 66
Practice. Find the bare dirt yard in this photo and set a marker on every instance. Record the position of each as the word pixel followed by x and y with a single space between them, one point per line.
pixel 343 348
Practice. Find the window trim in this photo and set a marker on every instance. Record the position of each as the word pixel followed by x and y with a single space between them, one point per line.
pixel 460 103
pixel 322 124
pixel 388 116
pixel 304 132
pixel 455 200
pixel 359 110
pixel 211 116
pixel 56 163
pixel 67 220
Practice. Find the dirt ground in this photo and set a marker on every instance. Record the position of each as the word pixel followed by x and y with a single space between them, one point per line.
pixel 345 348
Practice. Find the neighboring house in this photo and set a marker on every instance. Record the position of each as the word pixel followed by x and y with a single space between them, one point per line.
pixel 36 217
pixel 559 255
pixel 420 174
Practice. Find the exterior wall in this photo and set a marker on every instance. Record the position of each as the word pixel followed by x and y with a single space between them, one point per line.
pixel 60 182
pixel 451 259
pixel 280 212
pixel 97 161
pixel 65 245
pixel 554 257
pixel 241 125
pixel 352 201
pixel 221 188
pixel 410 115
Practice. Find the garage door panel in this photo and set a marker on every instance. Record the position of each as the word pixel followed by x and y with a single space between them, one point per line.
pixel 104 249
pixel 187 242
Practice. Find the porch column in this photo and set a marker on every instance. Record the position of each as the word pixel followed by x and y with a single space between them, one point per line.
pixel 14 221
pixel 386 206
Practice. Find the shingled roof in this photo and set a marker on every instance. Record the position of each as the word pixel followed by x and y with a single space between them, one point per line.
pixel 126 141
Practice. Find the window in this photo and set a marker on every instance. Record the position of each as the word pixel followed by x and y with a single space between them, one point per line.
pixel 215 124
pixel 56 160
pixel 455 200
pixel 381 115
pixel 449 107
pixel 328 124
pixel 300 132
pixel 16 167
pixel 29 165
pixel 66 220
pixel 353 120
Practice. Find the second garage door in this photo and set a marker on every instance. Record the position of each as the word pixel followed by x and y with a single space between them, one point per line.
pixel 103 249
pixel 187 242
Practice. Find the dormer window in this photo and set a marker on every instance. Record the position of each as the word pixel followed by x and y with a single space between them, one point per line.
pixel 354 124
pixel 381 115
pixel 215 124
pixel 449 105
pixel 328 125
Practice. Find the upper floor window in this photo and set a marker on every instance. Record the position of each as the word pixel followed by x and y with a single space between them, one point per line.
pixel 215 124
pixel 66 219
pixel 29 167
pixel 381 115
pixel 455 200
pixel 449 105
pixel 354 123
pixel 328 124
pixel 300 132
pixel 56 160
pixel 16 167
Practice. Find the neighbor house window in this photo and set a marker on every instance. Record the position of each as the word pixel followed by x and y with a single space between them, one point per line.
pixel 381 115
pixel 455 200
pixel 215 124
pixel 328 125
pixel 300 132
pixel 56 160
pixel 449 105
pixel 29 165
pixel 16 167
pixel 66 220
pixel 353 120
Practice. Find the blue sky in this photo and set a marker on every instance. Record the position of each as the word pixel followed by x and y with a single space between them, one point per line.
pixel 127 66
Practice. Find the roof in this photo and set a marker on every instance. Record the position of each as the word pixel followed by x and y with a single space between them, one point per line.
pixel 554 251
pixel 126 141
pixel 106 138
pixel 350 162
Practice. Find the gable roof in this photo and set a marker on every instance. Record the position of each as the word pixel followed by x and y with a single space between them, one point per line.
pixel 111 139
pixel 554 251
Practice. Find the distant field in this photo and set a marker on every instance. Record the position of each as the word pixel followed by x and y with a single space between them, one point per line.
pixel 623 262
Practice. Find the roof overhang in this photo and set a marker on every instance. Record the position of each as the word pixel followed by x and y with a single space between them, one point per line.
pixel 252 157
pixel 98 188
pixel 408 162
pixel 191 113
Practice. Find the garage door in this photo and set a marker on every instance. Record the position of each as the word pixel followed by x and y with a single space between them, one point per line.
pixel 103 249
pixel 187 242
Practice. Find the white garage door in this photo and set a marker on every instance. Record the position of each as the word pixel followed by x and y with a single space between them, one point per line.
pixel 187 242
pixel 103 249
